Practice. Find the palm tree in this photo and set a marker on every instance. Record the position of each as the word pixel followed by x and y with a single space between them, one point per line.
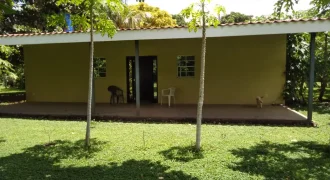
pixel 126 18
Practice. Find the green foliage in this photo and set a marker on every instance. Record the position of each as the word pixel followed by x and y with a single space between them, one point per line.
pixel 180 21
pixel 149 16
pixel 235 17
pixel 195 14
pixel 320 7
pixel 296 68
pixel 6 68
pixel 287 5
pixel 6 8
pixel 31 18
pixel 298 52
pixel 80 15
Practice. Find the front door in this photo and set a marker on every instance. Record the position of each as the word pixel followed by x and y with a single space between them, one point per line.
pixel 148 79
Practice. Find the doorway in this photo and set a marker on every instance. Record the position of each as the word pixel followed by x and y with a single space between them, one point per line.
pixel 148 79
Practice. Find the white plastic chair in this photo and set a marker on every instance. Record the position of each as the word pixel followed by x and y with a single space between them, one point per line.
pixel 170 92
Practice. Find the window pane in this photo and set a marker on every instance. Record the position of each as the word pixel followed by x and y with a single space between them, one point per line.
pixel 192 69
pixel 183 74
pixel 103 70
pixel 191 58
pixel 190 63
pixel 180 58
pixel 191 74
pixel 186 66
pixel 99 67
pixel 180 63
pixel 102 74
pixel 183 69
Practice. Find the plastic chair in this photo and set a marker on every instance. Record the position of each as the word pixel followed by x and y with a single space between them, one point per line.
pixel 116 94
pixel 170 92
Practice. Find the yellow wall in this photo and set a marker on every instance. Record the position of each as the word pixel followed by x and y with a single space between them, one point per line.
pixel 237 69
pixel 56 73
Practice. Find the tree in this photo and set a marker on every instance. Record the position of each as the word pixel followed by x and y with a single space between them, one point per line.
pixel 322 62
pixel 235 17
pixel 141 16
pixel 127 17
pixel 95 18
pixel 296 68
pixel 151 16
pixel 6 68
pixel 180 21
pixel 31 16
pixel 320 7
pixel 5 7
pixel 199 16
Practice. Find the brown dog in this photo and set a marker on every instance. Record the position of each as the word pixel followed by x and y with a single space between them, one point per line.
pixel 259 100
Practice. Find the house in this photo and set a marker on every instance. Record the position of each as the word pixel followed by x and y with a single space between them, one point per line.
pixel 243 60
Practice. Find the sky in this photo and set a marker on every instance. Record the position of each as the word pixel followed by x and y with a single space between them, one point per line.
pixel 249 7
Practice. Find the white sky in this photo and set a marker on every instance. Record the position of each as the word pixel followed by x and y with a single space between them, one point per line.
pixel 249 7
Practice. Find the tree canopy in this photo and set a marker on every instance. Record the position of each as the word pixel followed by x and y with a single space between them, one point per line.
pixel 180 21
pixel 235 17
pixel 320 7
pixel 150 16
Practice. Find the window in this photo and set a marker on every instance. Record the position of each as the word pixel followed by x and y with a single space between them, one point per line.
pixel 100 67
pixel 186 66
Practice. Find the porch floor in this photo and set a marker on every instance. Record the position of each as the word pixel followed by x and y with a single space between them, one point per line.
pixel 158 113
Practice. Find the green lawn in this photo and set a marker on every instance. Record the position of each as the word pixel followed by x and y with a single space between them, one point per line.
pixel 120 151
pixel 10 90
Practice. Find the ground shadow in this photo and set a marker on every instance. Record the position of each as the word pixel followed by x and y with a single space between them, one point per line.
pixel 183 154
pixel 43 162
pixel 299 160
pixel 2 140
pixel 320 108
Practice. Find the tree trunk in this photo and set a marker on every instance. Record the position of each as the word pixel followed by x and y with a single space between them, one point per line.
pixel 201 84
pixel 325 78
pixel 90 81
pixel 301 91
pixel 322 88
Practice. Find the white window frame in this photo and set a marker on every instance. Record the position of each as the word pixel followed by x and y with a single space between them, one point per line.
pixel 179 67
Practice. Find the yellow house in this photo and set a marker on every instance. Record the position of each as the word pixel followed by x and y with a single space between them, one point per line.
pixel 243 61
pixel 234 74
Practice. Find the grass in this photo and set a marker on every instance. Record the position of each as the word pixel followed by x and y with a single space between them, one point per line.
pixel 10 90
pixel 163 151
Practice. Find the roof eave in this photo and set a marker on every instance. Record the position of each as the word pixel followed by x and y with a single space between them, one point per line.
pixel 173 33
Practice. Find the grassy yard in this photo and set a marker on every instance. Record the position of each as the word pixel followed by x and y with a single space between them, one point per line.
pixel 156 151
pixel 10 90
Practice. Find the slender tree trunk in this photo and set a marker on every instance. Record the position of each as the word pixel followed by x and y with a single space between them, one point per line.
pixel 201 85
pixel 322 88
pixel 325 78
pixel 90 81
pixel 301 91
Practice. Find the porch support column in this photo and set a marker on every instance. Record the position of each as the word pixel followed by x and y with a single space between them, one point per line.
pixel 137 77
pixel 93 97
pixel 311 77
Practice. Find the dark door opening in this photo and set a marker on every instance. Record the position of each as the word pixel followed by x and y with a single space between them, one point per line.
pixel 148 79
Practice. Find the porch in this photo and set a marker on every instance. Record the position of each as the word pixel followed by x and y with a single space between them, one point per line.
pixel 213 114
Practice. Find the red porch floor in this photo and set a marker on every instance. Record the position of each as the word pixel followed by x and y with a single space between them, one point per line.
pixel 177 113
